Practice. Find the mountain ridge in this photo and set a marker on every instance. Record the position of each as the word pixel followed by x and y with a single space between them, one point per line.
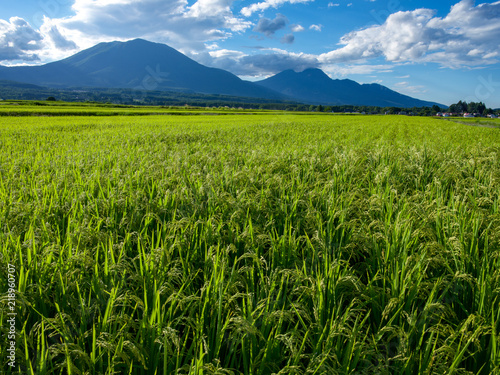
pixel 313 86
pixel 143 65
pixel 136 64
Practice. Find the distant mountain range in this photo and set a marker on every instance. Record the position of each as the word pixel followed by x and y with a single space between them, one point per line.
pixel 314 86
pixel 143 65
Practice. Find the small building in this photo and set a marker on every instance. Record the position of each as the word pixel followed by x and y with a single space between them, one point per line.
pixel 468 115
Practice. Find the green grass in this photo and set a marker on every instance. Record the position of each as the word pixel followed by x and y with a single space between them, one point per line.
pixel 251 244
pixel 46 108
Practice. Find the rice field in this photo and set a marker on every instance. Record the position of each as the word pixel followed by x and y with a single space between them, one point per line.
pixel 249 244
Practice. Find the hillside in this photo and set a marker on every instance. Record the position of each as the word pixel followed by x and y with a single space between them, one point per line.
pixel 136 64
pixel 315 87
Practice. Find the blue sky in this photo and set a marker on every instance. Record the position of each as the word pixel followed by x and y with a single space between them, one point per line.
pixel 442 51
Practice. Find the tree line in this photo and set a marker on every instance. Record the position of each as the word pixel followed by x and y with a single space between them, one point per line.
pixel 472 107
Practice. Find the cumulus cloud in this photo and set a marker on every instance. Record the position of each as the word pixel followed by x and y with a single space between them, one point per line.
pixel 170 21
pixel 267 62
pixel 210 8
pixel 316 27
pixel 19 41
pixel 467 36
pixel 268 26
pixel 259 7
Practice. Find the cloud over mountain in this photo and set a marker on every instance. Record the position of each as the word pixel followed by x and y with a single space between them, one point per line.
pixel 18 40
pixel 269 61
pixel 467 36
pixel 172 21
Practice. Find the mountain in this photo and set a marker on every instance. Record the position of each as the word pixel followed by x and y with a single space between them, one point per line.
pixel 315 87
pixel 19 85
pixel 142 65
pixel 136 64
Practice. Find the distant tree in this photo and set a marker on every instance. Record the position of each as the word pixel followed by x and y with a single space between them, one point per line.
pixel 481 107
pixel 51 99
pixel 436 109
pixel 462 106
pixel 320 108
pixel 472 107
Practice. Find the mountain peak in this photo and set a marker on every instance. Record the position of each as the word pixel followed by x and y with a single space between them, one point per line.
pixel 314 71
pixel 136 64
pixel 315 87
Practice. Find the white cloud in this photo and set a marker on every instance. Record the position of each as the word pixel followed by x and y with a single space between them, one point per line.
pixel 209 8
pixel 212 46
pixel 169 21
pixel 467 36
pixel 260 65
pixel 330 5
pixel 225 53
pixel 297 28
pixel 259 7
pixel 407 88
pixel 344 70
pixel 316 27
pixel 19 41
pixel 270 61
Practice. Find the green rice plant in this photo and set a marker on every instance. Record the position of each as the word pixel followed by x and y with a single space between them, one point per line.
pixel 264 243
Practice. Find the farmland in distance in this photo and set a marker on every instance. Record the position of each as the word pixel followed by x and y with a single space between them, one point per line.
pixel 255 243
